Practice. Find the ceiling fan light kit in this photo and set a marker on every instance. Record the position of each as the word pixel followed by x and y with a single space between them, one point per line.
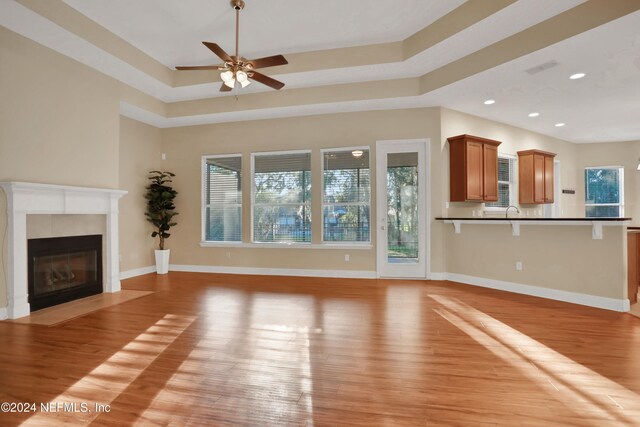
pixel 239 69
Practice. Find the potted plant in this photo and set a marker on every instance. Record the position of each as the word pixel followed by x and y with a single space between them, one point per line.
pixel 160 213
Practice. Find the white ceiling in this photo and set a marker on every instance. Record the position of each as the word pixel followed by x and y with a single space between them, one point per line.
pixel 604 106
pixel 172 31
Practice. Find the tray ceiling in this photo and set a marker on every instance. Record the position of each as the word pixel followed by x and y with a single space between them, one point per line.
pixel 364 55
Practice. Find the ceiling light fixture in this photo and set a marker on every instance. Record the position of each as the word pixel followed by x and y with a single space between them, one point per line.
pixel 357 153
pixel 559 125
pixel 577 76
pixel 534 114
pixel 228 78
pixel 489 101
pixel 242 78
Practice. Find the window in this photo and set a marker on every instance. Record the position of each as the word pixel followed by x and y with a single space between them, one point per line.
pixel 346 195
pixel 506 183
pixel 282 197
pixel 604 192
pixel 223 198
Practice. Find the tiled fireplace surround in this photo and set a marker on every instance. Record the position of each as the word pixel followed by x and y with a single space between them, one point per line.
pixel 43 199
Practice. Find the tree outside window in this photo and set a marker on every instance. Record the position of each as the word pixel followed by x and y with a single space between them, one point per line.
pixel 604 191
pixel 346 196
pixel 282 197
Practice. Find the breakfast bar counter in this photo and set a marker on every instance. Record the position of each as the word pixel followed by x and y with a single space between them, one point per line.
pixel 515 222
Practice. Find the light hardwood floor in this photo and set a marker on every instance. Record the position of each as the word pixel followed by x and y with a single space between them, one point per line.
pixel 215 350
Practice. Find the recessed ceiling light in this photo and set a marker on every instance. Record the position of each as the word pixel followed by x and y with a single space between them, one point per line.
pixel 577 76
pixel 489 101
pixel 534 114
pixel 559 125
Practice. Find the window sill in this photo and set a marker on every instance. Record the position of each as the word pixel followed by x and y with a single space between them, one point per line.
pixel 349 246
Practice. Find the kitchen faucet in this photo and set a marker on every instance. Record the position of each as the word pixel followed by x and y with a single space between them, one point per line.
pixel 506 213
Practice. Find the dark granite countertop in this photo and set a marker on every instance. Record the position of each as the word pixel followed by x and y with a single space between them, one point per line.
pixel 513 218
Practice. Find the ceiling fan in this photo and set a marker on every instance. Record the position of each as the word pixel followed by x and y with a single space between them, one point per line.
pixel 239 69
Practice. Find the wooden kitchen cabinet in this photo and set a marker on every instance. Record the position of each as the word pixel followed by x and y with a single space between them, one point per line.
pixel 633 265
pixel 473 169
pixel 535 176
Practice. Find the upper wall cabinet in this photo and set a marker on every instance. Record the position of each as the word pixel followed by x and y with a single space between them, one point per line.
pixel 535 172
pixel 473 169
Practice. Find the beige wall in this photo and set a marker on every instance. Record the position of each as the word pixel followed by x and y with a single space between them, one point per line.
pixel 554 257
pixel 3 249
pixel 59 122
pixel 185 147
pixel 139 153
pixel 625 154
pixel 60 119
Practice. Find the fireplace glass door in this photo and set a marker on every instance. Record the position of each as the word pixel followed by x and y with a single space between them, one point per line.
pixel 62 272
pixel 62 269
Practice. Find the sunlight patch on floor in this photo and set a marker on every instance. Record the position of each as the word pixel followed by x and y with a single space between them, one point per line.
pixel 114 375
pixel 582 390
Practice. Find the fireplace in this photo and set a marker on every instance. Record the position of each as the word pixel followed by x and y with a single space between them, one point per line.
pixel 63 269
pixel 26 198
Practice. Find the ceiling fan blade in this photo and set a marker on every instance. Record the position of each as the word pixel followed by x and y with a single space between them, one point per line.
pixel 225 88
pixel 218 51
pixel 266 80
pixel 269 61
pixel 201 67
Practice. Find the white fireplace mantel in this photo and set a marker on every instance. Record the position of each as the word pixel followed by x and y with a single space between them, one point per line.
pixel 24 199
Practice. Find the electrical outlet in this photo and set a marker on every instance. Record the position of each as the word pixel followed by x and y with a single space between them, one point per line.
pixel 519 265
pixel 164 156
pixel 346 257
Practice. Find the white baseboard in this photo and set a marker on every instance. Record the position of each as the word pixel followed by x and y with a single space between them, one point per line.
pixel 137 272
pixel 349 274
pixel 4 314
pixel 536 291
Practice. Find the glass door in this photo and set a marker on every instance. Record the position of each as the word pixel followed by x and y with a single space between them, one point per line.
pixel 401 209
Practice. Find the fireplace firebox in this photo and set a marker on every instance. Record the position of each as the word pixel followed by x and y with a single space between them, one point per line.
pixel 63 269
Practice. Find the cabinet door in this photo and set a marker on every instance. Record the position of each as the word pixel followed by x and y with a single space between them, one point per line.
pixel 538 178
pixel 474 171
pixel 525 179
pixel 633 258
pixel 548 179
pixel 490 154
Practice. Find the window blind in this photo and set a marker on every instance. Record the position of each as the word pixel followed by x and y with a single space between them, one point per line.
pixel 223 199
pixel 282 197
pixel 346 196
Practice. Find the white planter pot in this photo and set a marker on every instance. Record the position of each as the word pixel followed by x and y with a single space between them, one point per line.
pixel 162 261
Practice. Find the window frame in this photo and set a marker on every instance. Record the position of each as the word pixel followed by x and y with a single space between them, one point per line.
pixel 253 193
pixel 513 185
pixel 203 201
pixel 366 243
pixel 621 190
